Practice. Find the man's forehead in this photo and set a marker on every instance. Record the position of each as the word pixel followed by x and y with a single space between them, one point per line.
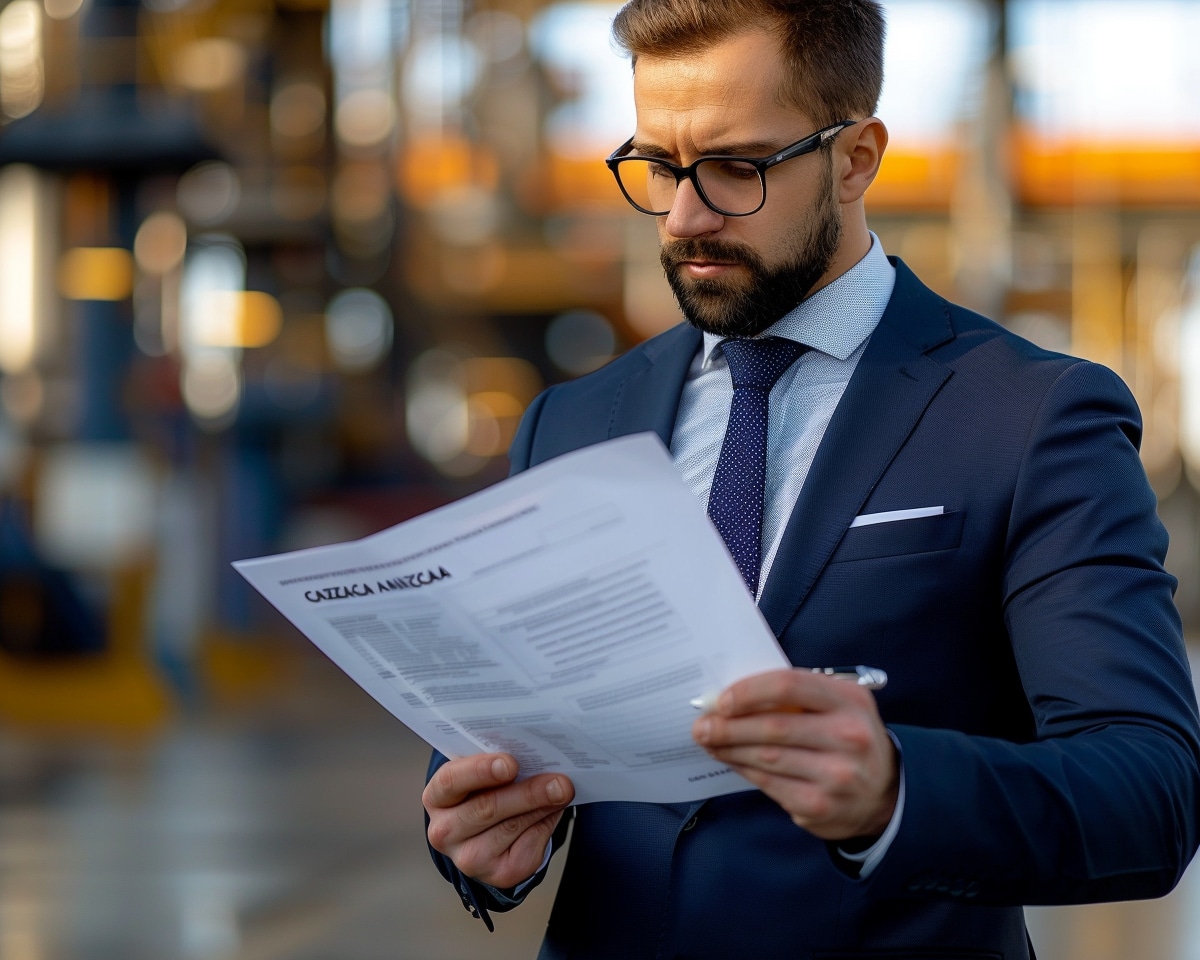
pixel 745 63
pixel 724 97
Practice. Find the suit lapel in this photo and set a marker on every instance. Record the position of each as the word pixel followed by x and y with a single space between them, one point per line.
pixel 891 387
pixel 649 398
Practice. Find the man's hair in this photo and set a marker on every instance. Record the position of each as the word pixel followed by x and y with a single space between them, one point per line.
pixel 833 49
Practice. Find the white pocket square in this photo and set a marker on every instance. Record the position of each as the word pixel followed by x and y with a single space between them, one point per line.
pixel 891 516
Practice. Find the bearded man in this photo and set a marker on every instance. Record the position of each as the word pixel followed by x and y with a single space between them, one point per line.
pixel 938 497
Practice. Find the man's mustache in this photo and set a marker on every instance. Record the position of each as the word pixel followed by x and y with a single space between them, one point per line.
pixel 706 248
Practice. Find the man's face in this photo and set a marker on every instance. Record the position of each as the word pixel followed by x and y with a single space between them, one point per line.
pixel 735 276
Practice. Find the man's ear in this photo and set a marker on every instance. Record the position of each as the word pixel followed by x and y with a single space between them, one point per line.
pixel 857 155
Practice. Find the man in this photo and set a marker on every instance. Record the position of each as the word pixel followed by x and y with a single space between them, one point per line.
pixel 1038 741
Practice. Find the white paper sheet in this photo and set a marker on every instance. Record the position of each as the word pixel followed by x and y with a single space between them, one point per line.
pixel 566 615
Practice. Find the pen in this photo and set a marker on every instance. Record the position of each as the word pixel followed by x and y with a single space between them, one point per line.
pixel 870 677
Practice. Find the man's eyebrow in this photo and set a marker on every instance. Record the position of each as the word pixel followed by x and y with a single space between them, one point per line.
pixel 648 150
pixel 749 148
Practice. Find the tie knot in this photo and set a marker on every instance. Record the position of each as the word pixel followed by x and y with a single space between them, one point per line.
pixel 759 363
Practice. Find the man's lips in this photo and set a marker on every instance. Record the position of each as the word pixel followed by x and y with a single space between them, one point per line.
pixel 706 268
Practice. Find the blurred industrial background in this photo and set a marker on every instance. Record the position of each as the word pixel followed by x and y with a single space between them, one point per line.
pixel 275 273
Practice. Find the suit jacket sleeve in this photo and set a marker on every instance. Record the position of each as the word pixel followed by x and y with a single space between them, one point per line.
pixel 1102 803
pixel 478 898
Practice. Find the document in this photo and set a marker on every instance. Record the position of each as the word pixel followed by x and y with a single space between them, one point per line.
pixel 566 615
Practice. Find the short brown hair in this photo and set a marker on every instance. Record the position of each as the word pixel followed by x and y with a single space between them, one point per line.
pixel 833 48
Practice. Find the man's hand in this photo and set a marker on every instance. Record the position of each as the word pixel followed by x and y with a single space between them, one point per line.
pixel 813 744
pixel 493 828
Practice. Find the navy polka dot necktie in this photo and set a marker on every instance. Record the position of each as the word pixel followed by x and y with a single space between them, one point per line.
pixel 735 503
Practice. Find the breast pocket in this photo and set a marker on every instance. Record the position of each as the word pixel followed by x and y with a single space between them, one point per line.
pixel 901 537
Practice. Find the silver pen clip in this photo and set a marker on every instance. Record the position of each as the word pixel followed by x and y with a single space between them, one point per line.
pixel 870 677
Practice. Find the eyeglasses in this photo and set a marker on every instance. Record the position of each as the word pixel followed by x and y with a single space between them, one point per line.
pixel 730 186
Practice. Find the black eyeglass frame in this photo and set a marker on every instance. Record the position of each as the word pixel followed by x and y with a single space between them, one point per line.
pixel 762 164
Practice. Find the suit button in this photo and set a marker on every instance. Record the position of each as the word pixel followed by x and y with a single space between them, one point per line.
pixel 691 823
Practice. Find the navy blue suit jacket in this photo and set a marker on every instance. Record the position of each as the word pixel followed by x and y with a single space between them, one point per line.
pixel 1039 687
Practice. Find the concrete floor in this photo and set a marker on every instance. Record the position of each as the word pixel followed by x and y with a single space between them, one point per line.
pixel 290 830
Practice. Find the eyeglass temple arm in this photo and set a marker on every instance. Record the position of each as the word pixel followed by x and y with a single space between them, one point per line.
pixel 837 128
pixel 809 143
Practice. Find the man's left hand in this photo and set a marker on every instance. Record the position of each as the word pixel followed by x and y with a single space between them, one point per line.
pixel 814 744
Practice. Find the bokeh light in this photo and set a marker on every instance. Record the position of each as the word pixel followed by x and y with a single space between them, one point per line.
pixel 298 110
pixel 214 268
pixel 238 318
pixel 440 71
pixel 212 387
pixel 96 505
pixel 19 227
pixel 463 411
pixel 160 243
pixel 358 329
pixel 209 192
pixel 580 341
pixel 365 118
pixel 96 273
pixel 210 64
pixel 62 9
pixel 436 413
pixel 22 72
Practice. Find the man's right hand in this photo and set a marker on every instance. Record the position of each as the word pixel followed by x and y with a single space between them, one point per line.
pixel 493 828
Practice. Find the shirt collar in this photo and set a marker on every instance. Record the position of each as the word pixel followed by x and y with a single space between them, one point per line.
pixel 838 317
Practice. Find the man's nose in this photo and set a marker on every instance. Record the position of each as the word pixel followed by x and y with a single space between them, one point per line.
pixel 690 216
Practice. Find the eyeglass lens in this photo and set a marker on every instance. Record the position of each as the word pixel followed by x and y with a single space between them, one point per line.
pixel 729 186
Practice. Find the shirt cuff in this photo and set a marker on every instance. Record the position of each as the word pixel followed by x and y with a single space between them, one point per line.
pixel 513 896
pixel 871 857
pixel 521 887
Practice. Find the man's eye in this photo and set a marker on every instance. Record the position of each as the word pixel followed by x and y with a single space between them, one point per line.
pixel 734 170
pixel 661 172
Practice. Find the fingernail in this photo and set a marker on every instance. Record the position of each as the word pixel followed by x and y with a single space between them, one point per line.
pixel 702 730
pixel 500 768
pixel 554 790
pixel 725 702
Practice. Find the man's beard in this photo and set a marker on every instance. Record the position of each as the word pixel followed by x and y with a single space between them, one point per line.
pixel 746 307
